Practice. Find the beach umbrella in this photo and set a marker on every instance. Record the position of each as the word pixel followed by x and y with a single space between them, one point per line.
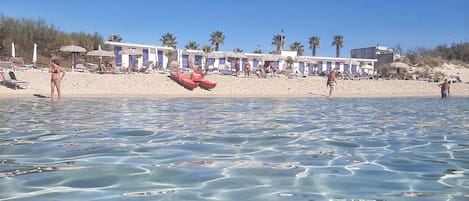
pixel 131 52
pixel 214 55
pixel 399 65
pixel 272 57
pixel 35 54
pixel 100 53
pixel 13 53
pixel 73 49
pixel 235 54
pixel 304 59
pixel 253 56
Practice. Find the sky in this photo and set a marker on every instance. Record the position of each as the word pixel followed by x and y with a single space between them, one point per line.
pixel 251 24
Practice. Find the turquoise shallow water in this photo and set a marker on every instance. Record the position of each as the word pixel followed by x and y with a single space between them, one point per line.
pixel 235 149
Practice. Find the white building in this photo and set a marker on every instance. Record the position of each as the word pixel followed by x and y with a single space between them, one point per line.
pixel 130 54
pixel 220 60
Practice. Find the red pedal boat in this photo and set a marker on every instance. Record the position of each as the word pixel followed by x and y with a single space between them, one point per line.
pixel 184 80
pixel 198 77
pixel 205 84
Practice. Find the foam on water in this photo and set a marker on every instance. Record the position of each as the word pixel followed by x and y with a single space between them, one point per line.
pixel 234 149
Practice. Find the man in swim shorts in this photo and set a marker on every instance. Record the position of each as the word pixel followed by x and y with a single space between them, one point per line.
pixel 444 89
pixel 331 83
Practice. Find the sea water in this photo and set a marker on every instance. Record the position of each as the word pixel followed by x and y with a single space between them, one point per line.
pixel 235 149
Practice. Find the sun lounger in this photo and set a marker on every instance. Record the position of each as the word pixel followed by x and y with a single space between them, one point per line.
pixel 80 68
pixel 9 80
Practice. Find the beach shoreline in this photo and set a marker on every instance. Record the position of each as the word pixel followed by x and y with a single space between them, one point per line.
pixel 156 85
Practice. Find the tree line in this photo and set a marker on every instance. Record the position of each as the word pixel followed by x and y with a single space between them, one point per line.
pixel 456 52
pixel 25 32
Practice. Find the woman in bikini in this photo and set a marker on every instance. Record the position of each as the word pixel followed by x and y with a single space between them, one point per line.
pixel 57 74
pixel 247 68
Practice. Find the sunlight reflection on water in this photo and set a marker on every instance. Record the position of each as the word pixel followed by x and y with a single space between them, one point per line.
pixel 234 149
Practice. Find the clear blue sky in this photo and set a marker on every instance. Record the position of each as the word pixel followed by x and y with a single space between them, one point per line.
pixel 249 24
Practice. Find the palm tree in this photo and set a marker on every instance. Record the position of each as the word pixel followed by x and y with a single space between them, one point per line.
pixel 237 50
pixel 339 43
pixel 192 46
pixel 168 40
pixel 279 41
pixel 206 48
pixel 298 47
pixel 170 55
pixel 314 43
pixel 217 38
pixel 114 37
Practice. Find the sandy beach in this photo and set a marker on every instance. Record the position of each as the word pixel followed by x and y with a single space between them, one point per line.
pixel 78 84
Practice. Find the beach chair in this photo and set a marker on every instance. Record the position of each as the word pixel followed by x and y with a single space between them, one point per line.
pixel 79 68
pixel 9 80
pixel 19 83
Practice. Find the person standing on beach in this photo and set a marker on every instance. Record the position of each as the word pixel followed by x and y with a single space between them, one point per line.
pixel 444 89
pixel 331 81
pixel 57 74
pixel 272 69
pixel 237 66
pixel 247 68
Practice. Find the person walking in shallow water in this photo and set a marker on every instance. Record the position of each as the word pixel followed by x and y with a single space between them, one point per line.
pixel 444 89
pixel 57 74
pixel 331 82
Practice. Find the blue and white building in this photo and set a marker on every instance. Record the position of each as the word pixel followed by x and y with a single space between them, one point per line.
pixel 219 60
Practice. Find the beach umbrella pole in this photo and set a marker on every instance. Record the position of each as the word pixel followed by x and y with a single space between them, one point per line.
pixel 73 61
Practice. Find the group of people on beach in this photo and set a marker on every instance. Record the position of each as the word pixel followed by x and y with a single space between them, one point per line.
pixel 246 69
pixel 261 71
pixel 58 73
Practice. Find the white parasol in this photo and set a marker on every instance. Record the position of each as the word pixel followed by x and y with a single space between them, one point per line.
pixel 35 54
pixel 13 53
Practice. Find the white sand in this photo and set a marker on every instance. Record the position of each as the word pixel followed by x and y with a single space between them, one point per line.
pixel 77 84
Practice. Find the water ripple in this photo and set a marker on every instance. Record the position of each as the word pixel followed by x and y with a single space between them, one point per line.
pixel 235 149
